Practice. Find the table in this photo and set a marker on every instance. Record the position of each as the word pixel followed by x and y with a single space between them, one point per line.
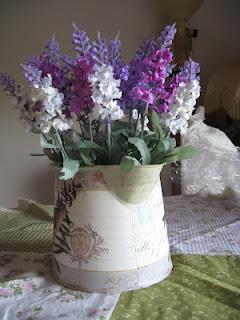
pixel 201 285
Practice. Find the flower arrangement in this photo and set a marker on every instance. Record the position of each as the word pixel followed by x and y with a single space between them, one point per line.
pixel 95 109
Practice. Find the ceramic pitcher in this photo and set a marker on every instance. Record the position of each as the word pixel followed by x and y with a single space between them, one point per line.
pixel 109 230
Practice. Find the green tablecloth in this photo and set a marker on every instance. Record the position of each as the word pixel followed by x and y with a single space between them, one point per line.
pixel 29 231
pixel 200 287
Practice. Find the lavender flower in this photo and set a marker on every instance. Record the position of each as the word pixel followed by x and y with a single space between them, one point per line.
pixel 153 77
pixel 12 89
pixel 97 85
pixel 19 100
pixel 134 79
pixel 68 61
pixel 33 61
pixel 52 49
pixel 191 70
pixel 81 42
pixel 167 36
pixel 115 50
pixel 32 74
pixel 81 95
pixel 137 65
pixel 145 49
pixel 8 84
pixel 120 69
pixel 99 51
pixel 36 68
pixel 135 70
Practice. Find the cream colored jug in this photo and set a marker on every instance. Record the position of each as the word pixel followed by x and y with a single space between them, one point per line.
pixel 109 230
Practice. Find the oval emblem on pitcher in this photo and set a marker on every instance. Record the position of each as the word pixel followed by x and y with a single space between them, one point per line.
pixel 81 242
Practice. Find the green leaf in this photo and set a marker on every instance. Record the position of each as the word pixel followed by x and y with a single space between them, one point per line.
pixel 57 265
pixel 116 152
pixel 186 152
pixel 70 168
pixel 59 144
pixel 90 145
pixel 168 159
pixel 64 234
pixel 120 125
pixel 142 148
pixel 36 131
pixel 65 230
pixel 166 145
pixel 45 144
pixel 150 137
pixel 128 164
pixel 179 153
pixel 172 142
pixel 86 158
pixel 87 144
pixel 156 124
pixel 162 149
pixel 53 156
pixel 59 249
pixel 75 141
pixel 67 220
pixel 62 242
pixel 158 152
pixel 71 138
pixel 124 132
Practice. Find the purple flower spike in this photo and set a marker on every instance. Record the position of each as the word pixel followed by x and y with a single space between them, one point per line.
pixel 115 49
pixel 167 36
pixel 12 89
pixel 8 84
pixel 52 49
pixel 32 74
pixel 33 61
pixel 144 50
pixel 142 94
pixel 120 69
pixel 81 98
pixel 99 51
pixel 81 42
pixel 192 69
pixel 68 61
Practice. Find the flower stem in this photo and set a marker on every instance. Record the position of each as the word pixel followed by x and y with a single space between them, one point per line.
pixel 90 130
pixel 46 138
pixel 97 131
pixel 60 145
pixel 109 138
pixel 81 126
pixel 136 125
pixel 143 119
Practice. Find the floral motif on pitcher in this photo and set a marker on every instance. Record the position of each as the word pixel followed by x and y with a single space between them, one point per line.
pixel 86 244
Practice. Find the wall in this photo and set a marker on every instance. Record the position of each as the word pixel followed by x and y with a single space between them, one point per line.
pixel 26 25
pixel 218 22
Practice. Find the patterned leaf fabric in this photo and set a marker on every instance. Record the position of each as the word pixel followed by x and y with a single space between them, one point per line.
pixel 28 292
pixel 200 288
